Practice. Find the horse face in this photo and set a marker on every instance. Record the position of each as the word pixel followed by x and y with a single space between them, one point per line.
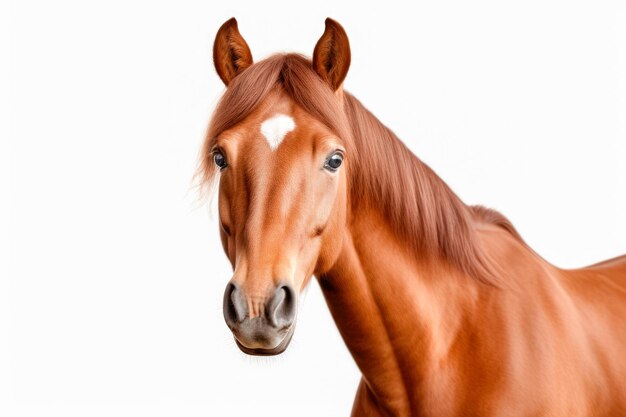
pixel 282 192
pixel 282 204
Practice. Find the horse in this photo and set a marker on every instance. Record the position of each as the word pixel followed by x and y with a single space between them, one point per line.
pixel 443 306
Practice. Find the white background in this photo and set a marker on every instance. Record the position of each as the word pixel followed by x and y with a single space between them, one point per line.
pixel 110 296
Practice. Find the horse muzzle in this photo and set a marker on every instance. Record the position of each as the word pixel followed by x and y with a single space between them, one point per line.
pixel 261 328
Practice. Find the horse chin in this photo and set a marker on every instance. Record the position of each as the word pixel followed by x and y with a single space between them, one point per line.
pixel 280 348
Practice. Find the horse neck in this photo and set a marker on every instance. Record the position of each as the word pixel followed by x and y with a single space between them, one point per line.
pixel 415 202
pixel 399 292
pixel 399 312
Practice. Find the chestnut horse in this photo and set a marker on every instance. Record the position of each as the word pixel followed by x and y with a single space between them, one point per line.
pixel 444 308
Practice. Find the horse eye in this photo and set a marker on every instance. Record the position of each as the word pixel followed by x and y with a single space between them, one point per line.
pixel 219 159
pixel 334 162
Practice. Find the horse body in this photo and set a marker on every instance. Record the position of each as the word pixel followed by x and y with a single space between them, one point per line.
pixel 445 309
pixel 431 341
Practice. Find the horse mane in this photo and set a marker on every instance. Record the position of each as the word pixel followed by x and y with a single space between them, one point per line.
pixel 382 171
pixel 492 216
pixel 418 203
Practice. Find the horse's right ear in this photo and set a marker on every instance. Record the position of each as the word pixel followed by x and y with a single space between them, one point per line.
pixel 231 53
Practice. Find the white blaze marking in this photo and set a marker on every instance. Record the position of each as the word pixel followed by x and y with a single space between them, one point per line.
pixel 276 128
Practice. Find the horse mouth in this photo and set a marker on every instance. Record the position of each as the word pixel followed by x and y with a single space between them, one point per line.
pixel 280 348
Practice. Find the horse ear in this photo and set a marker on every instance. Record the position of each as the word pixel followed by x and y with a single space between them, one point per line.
pixel 231 53
pixel 331 57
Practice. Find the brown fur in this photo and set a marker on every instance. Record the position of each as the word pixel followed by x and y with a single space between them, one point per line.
pixel 420 206
pixel 231 53
pixel 330 65
pixel 407 269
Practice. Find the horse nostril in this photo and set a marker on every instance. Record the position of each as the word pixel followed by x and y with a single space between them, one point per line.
pixel 234 305
pixel 281 309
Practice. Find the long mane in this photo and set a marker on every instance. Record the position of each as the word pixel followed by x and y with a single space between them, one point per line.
pixel 382 171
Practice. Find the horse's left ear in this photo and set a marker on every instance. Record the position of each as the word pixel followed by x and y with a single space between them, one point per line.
pixel 231 53
pixel 331 57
